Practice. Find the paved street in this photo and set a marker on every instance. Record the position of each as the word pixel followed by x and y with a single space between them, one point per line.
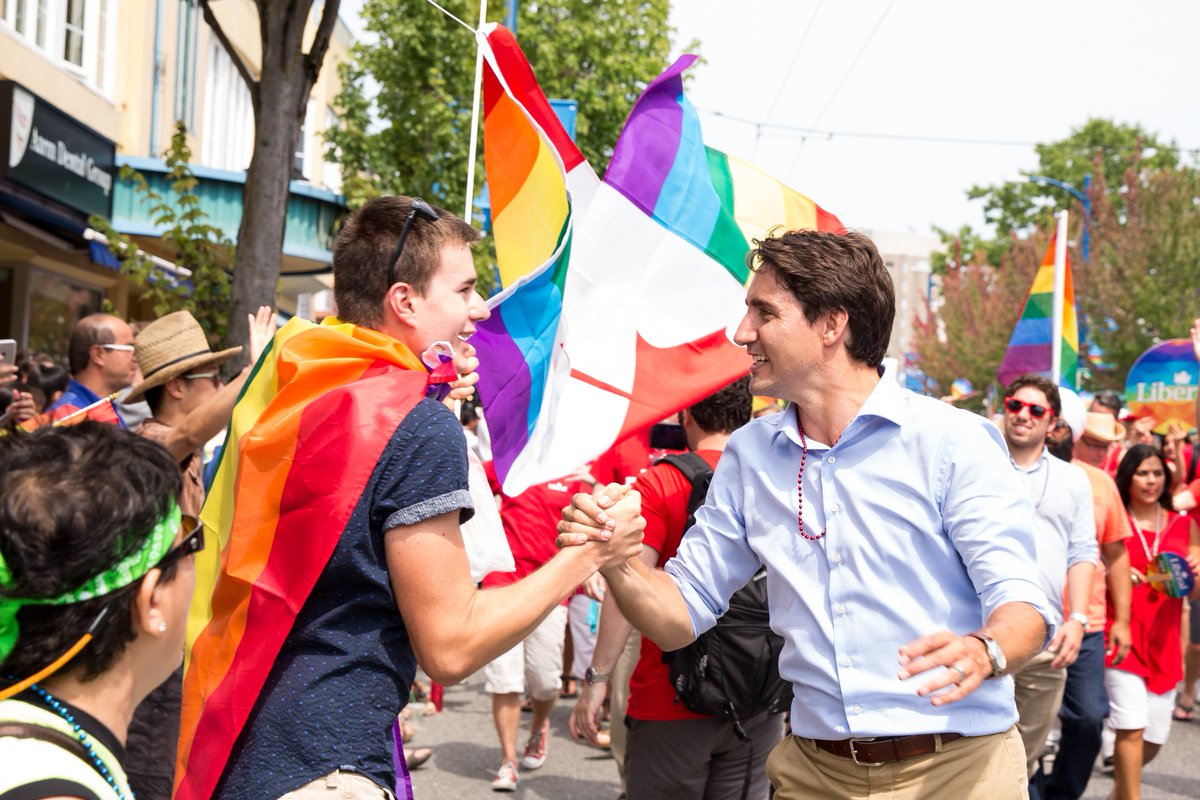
pixel 466 756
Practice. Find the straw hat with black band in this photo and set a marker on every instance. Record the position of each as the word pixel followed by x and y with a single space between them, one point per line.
pixel 171 346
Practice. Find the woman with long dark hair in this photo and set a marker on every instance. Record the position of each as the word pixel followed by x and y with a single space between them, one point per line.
pixel 1141 688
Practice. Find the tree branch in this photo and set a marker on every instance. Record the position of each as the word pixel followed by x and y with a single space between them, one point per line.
pixel 243 70
pixel 316 53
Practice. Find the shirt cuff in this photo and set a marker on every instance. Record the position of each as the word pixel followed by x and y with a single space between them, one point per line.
pixel 1024 592
pixel 457 500
pixel 703 617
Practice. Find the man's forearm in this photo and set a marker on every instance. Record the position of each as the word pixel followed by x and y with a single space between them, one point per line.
pixel 611 636
pixel 1120 583
pixel 1019 630
pixel 1079 586
pixel 652 603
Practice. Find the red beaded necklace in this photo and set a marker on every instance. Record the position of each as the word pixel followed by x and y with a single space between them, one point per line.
pixel 800 483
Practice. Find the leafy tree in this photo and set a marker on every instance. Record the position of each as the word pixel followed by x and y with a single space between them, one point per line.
pixel 279 97
pixel 967 334
pixel 1142 285
pixel 1138 288
pixel 600 54
pixel 195 245
pixel 1102 149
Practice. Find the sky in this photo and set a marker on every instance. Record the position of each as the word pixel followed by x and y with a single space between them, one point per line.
pixel 881 81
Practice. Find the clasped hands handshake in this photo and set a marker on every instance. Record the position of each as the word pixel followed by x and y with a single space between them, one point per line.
pixel 610 518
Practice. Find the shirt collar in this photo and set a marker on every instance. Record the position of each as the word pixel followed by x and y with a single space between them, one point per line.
pixel 887 401
pixel 75 387
pixel 1043 459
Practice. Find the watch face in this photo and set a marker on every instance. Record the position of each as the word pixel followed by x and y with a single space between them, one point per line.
pixel 999 662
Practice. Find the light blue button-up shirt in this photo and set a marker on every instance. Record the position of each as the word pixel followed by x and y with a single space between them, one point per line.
pixel 927 528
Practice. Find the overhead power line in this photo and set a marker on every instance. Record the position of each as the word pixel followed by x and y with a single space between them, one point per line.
pixel 801 132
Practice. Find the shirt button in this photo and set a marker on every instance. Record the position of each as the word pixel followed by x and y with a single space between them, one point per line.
pixel 856 709
pixel 831 459
pixel 837 558
pixel 841 610
pixel 835 508
pixel 847 662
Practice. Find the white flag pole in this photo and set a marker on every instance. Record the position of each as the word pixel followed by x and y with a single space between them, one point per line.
pixel 470 201
pixel 1060 279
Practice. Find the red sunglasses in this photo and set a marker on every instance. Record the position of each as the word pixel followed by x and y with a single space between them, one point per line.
pixel 1035 410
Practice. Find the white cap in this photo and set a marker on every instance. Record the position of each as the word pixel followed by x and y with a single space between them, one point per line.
pixel 1074 412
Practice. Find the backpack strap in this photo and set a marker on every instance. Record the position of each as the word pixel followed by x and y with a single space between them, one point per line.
pixel 699 475
pixel 29 730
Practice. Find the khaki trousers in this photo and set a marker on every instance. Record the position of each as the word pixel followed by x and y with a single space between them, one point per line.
pixel 976 768
pixel 1039 693
pixel 339 785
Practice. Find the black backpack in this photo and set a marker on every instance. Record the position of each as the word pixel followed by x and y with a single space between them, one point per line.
pixel 731 670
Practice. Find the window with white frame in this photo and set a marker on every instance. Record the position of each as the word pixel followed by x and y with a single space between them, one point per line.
pixel 227 130
pixel 331 172
pixel 75 35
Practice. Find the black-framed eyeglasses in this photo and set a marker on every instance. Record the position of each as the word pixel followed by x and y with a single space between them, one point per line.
pixel 416 206
pixel 192 543
pixel 1035 410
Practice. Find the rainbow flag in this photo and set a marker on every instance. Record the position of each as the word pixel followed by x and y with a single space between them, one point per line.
pixel 1029 350
pixel 275 512
pixel 617 294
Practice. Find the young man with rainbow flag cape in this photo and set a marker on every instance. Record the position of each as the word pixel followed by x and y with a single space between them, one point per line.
pixel 336 508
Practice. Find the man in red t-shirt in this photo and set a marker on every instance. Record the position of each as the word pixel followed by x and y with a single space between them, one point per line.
pixel 672 752
pixel 530 524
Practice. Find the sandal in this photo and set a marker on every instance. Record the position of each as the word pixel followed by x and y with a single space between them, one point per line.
pixel 414 758
pixel 1183 713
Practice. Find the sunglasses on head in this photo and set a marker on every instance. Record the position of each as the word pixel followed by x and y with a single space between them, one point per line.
pixel 417 206
pixel 1014 406
pixel 192 542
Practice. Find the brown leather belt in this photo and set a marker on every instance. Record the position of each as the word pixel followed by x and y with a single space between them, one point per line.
pixel 873 752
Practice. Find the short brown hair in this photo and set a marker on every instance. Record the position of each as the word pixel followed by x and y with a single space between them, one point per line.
pixel 834 271
pixel 90 330
pixel 1042 384
pixel 368 240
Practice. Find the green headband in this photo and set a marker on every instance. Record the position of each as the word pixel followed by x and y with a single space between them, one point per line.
pixel 126 571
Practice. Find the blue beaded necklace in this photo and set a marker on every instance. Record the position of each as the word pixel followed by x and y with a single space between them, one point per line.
pixel 84 739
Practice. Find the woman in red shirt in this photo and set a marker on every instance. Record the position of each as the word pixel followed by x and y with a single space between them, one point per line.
pixel 1141 688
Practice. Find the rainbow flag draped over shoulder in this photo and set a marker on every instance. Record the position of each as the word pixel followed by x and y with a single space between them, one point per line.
pixel 305 435
pixel 1030 349
pixel 617 293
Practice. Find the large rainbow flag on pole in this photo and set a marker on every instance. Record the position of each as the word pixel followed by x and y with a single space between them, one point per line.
pixel 1030 349
pixel 305 435
pixel 617 294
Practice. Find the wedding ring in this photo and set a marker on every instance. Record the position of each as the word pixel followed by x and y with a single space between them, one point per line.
pixel 962 674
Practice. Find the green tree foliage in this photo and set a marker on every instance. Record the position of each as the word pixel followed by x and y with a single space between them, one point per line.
pixel 966 336
pixel 600 54
pixel 1143 284
pixel 195 246
pixel 1103 149
pixel 1139 287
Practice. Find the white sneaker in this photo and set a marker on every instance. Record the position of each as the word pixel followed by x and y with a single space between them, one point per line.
pixel 535 749
pixel 506 779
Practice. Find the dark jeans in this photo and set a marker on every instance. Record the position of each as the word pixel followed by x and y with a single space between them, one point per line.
pixel 1084 707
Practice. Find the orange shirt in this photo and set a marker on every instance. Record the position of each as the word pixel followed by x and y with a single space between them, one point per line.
pixel 1112 525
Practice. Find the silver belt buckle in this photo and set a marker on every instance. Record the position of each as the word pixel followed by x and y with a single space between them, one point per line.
pixel 854 753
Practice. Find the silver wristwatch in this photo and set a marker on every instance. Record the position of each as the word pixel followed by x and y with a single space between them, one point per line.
pixel 994 653
pixel 592 676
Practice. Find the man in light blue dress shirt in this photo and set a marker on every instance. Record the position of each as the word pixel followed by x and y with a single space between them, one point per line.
pixel 897 539
pixel 1065 527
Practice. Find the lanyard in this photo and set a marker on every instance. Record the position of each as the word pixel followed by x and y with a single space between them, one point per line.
pixel 1157 533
